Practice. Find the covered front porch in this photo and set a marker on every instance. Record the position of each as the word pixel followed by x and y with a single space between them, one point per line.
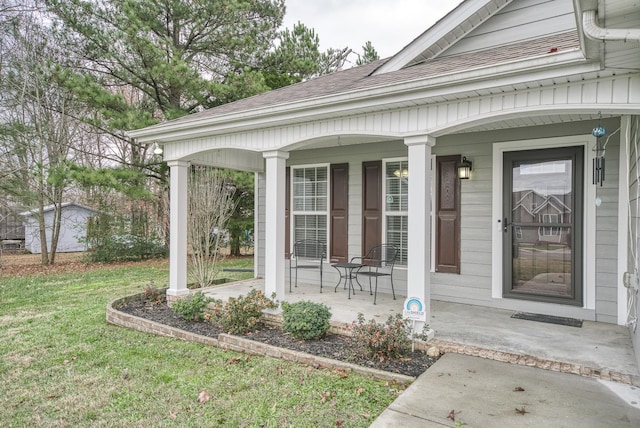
pixel 604 349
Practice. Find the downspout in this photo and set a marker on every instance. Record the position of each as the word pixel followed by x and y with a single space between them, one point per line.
pixel 594 32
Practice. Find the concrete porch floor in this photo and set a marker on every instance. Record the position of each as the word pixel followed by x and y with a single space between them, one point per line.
pixel 595 345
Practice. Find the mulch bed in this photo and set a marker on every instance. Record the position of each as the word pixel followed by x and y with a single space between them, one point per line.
pixel 333 346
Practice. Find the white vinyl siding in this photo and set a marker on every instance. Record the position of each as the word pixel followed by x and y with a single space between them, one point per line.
pixel 518 21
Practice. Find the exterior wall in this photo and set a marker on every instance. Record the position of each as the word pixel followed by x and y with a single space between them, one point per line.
pixel 354 155
pixel 518 21
pixel 474 284
pixel 72 232
pixel 607 234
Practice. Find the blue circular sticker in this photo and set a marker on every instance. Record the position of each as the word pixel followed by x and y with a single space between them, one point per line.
pixel 414 305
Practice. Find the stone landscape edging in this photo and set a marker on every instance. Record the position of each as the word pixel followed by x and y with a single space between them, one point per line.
pixel 225 341
pixel 239 344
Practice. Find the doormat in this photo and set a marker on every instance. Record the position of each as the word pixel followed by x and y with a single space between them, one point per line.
pixel 571 322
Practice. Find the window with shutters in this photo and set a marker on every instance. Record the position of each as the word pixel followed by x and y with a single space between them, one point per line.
pixel 396 205
pixel 309 203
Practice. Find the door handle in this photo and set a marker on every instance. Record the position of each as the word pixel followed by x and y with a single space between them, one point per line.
pixel 505 224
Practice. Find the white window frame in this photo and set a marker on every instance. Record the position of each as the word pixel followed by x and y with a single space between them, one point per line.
pixel 294 212
pixel 386 213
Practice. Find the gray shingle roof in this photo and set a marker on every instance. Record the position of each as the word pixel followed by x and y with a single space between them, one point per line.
pixel 360 78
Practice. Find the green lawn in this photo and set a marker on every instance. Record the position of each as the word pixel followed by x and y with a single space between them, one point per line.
pixel 61 364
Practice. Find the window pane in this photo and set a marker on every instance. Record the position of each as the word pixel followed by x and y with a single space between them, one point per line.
pixel 310 195
pixel 396 202
pixel 397 186
pixel 310 227
pixel 397 235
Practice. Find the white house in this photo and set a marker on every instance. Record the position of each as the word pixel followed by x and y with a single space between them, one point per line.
pixel 515 87
pixel 73 228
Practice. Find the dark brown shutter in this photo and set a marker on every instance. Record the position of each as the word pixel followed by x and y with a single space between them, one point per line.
pixel 287 213
pixel 448 215
pixel 339 212
pixel 371 205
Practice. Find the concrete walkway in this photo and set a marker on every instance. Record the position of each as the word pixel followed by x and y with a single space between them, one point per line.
pixel 485 392
pixel 477 392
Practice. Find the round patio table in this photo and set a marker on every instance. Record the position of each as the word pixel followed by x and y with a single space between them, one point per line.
pixel 347 273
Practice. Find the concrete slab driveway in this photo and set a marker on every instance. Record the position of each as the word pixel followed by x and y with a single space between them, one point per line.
pixel 460 390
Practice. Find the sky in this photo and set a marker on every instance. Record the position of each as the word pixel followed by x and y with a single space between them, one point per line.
pixel 390 25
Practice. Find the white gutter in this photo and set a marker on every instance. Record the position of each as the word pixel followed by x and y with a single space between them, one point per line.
pixel 594 32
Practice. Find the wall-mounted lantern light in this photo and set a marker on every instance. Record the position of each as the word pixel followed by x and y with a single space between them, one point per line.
pixel 464 169
pixel 157 150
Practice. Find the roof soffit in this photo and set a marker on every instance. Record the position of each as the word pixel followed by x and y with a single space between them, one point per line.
pixel 466 17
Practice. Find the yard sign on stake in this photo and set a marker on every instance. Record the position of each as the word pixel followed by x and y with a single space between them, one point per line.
pixel 414 310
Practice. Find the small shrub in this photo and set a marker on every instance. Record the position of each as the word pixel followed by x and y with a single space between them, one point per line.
pixel 240 315
pixel 192 307
pixel 153 294
pixel 126 248
pixel 383 341
pixel 306 320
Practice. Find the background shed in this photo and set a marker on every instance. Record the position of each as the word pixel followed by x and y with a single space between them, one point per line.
pixel 73 229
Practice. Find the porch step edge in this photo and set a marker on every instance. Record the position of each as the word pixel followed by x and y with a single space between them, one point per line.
pixel 531 361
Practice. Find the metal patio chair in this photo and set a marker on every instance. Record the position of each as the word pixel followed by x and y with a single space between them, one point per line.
pixel 378 262
pixel 307 254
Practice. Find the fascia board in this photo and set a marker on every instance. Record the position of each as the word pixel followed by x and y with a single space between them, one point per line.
pixel 383 97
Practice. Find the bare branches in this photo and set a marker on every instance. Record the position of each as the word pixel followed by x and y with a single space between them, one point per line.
pixel 210 207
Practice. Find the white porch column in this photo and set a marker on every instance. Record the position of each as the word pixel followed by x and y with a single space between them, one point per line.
pixel 419 237
pixel 274 260
pixel 178 229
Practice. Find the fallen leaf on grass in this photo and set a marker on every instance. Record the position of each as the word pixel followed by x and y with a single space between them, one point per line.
pixel 342 373
pixel 325 395
pixel 235 360
pixel 366 415
pixel 204 396
pixel 172 415
pixel 339 423
pixel 359 391
pixel 521 411
pixel 518 389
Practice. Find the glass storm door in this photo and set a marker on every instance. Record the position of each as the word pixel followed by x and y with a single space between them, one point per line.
pixel 542 224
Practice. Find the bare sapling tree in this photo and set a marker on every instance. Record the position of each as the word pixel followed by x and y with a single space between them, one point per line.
pixel 211 204
pixel 37 132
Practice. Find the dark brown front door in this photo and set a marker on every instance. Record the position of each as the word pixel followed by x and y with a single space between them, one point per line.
pixel 542 223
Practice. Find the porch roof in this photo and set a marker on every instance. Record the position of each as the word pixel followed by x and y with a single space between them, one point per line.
pixel 362 78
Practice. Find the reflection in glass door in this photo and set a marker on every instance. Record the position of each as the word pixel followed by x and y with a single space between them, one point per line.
pixel 543 224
